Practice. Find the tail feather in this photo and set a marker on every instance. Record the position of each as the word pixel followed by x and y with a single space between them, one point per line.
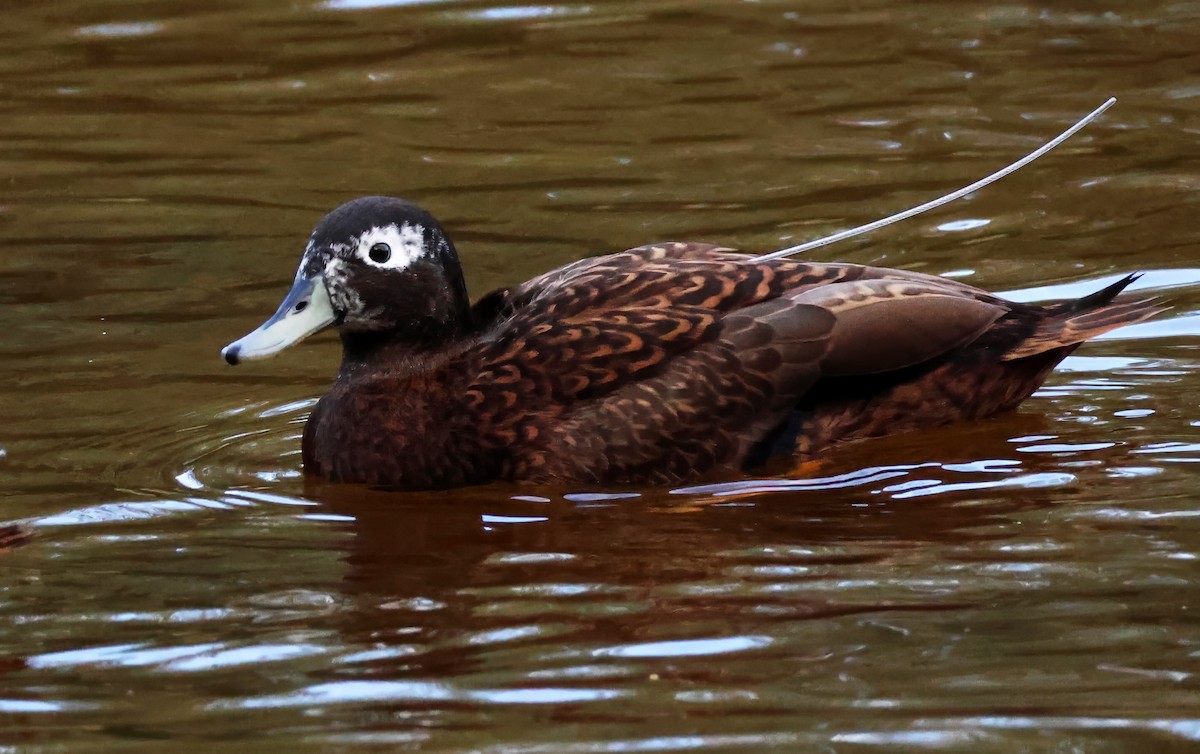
pixel 1105 295
pixel 1072 322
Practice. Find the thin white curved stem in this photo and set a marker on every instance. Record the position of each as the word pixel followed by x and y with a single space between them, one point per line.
pixel 842 235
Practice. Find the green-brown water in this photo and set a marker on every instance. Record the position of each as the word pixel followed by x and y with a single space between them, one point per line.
pixel 1028 583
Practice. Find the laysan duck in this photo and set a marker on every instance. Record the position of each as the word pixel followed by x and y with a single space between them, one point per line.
pixel 654 365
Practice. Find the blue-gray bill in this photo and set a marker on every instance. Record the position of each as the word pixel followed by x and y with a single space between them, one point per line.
pixel 304 311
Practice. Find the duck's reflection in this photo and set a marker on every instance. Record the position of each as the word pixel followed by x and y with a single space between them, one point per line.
pixel 476 558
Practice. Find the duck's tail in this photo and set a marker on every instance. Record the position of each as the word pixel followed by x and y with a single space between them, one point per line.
pixel 1072 322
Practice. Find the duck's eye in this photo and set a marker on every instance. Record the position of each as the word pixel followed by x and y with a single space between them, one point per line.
pixel 380 253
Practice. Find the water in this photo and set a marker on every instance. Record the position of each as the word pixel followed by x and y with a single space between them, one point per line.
pixel 1027 583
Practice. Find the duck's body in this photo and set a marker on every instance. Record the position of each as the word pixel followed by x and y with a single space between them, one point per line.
pixel 654 365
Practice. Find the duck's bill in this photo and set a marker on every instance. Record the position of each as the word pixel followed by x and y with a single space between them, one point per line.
pixel 306 310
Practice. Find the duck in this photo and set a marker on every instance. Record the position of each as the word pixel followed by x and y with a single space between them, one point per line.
pixel 662 364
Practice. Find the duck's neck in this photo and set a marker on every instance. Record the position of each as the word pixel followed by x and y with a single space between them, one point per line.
pixel 411 348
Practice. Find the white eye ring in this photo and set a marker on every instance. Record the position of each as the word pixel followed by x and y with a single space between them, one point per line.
pixel 392 247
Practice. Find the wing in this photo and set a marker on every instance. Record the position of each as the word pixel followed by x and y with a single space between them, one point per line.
pixel 654 363
pixel 714 405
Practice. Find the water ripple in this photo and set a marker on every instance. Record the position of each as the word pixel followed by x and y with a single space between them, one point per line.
pixel 687 647
pixel 360 692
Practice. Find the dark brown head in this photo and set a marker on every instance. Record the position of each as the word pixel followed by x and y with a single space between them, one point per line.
pixel 377 268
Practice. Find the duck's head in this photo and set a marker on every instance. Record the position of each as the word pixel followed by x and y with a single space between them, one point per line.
pixel 378 269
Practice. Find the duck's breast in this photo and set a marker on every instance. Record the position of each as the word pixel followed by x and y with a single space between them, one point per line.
pixel 413 433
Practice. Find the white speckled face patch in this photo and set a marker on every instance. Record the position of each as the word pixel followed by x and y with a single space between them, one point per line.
pixel 344 298
pixel 392 247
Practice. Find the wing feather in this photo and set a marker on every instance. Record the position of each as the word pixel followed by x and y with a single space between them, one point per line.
pixel 660 360
pixel 885 325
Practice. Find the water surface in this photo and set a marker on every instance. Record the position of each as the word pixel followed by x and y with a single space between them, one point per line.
pixel 1025 583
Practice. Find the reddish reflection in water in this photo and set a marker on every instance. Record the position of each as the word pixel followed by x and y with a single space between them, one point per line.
pixel 1018 584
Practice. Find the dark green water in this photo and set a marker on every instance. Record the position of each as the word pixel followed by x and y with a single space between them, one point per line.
pixel 1022 584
